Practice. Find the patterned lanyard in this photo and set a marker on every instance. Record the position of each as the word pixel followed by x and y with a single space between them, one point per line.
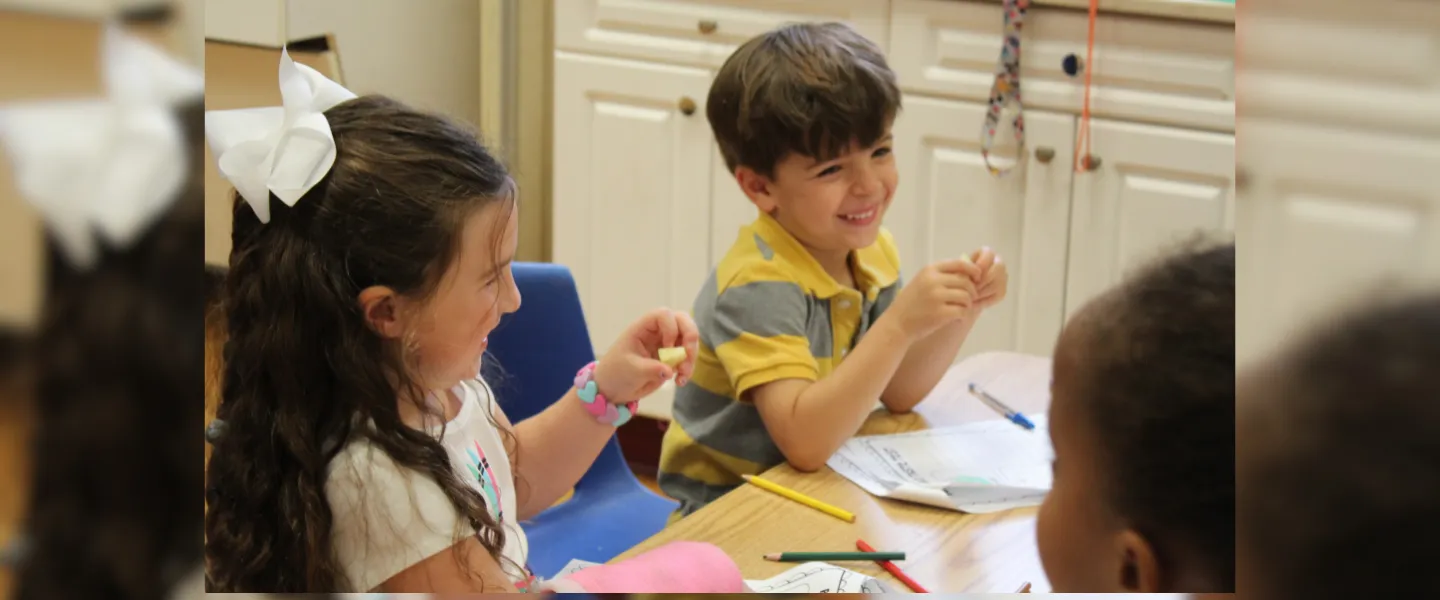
pixel 1006 88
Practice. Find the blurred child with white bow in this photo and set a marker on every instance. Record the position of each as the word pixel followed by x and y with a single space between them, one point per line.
pixel 111 510
pixel 361 451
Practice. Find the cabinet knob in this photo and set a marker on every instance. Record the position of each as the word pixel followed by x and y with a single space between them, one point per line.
pixel 1045 154
pixel 1091 162
pixel 707 26
pixel 1242 179
pixel 687 106
pixel 1072 65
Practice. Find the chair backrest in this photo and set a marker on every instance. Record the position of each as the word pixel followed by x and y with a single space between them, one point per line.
pixel 536 351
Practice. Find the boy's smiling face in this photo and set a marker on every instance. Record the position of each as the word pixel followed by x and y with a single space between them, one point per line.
pixel 830 206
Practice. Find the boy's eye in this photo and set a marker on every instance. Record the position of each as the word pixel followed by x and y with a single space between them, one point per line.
pixel 831 170
pixel 879 152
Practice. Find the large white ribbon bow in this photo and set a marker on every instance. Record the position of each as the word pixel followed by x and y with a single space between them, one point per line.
pixel 281 149
pixel 110 165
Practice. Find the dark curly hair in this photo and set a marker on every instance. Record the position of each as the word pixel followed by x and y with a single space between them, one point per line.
pixel 805 88
pixel 118 383
pixel 1159 388
pixel 1339 457
pixel 301 365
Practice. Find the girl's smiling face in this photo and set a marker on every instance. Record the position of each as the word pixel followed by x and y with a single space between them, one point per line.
pixel 454 325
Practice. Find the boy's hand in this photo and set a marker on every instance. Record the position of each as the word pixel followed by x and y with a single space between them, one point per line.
pixel 942 292
pixel 994 280
pixel 630 370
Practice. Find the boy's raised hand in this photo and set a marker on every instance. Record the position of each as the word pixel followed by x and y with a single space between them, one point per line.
pixel 941 293
pixel 994 280
pixel 631 369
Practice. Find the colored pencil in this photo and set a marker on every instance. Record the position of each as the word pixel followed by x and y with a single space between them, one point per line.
pixel 894 570
pixel 1024 589
pixel 811 556
pixel 843 515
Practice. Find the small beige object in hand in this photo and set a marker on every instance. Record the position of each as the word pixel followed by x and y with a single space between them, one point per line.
pixel 672 356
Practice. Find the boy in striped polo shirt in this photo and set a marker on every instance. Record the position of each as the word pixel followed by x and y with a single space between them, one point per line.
pixel 804 323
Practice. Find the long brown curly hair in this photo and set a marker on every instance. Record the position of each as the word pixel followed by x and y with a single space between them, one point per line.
pixel 301 366
pixel 117 398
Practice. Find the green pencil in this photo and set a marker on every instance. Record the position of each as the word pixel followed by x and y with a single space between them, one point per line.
pixel 812 556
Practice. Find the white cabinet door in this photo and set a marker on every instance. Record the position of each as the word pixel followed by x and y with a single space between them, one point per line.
pixel 1329 218
pixel 948 204
pixel 1155 187
pixel 729 211
pixel 631 205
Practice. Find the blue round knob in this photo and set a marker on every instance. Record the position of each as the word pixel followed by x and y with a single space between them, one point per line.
pixel 1071 65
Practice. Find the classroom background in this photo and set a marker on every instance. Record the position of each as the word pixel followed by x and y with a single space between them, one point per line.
pixel 598 106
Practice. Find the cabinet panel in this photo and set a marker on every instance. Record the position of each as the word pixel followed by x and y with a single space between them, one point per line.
pixel 699 32
pixel 948 204
pixel 632 187
pixel 1372 65
pixel 1327 219
pixel 1155 187
pixel 1144 69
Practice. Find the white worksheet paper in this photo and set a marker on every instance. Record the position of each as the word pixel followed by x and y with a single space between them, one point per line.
pixel 818 578
pixel 575 565
pixel 980 467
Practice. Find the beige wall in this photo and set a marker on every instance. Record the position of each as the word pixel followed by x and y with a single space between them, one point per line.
pixel 516 58
pixel 425 53
pixel 450 56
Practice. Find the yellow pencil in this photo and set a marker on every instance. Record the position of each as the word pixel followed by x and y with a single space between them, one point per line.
pixel 843 515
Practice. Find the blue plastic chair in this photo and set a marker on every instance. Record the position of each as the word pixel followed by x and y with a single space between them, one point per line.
pixel 538 350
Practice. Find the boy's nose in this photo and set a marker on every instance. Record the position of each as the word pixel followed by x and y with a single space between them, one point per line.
pixel 867 183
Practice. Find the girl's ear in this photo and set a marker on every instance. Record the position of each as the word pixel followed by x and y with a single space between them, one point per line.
pixel 379 304
pixel 1139 566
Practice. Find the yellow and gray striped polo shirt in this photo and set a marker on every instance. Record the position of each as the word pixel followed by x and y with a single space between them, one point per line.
pixel 769 311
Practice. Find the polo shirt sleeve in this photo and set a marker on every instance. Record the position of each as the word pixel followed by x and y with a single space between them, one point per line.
pixel 760 335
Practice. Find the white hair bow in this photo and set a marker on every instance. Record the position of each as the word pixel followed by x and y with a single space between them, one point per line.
pixel 283 149
pixel 111 164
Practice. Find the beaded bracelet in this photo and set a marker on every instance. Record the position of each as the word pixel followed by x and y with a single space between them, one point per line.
pixel 595 402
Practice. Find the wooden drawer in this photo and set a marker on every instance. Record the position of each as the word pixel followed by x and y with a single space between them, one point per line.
pixel 1149 70
pixel 699 32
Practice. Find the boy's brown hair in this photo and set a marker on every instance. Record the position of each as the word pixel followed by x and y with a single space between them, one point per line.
pixel 807 88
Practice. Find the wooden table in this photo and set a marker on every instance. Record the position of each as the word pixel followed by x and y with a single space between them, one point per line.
pixel 947 551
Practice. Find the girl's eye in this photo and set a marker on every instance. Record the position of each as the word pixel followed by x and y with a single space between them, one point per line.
pixel 879 152
pixel 829 171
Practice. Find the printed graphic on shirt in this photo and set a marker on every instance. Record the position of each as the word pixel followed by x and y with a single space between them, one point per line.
pixel 529 585
pixel 480 469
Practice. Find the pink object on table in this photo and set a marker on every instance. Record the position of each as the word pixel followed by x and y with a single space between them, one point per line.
pixel 675 568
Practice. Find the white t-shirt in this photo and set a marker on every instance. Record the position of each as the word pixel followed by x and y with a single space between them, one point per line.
pixel 388 518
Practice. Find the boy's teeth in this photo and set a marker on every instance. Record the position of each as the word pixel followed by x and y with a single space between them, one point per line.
pixel 859 217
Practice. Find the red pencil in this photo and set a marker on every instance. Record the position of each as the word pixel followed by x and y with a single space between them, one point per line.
pixel 894 570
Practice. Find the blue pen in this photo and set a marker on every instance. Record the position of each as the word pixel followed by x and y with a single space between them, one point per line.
pixel 1013 415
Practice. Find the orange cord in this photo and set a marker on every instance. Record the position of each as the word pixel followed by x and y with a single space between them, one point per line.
pixel 1082 142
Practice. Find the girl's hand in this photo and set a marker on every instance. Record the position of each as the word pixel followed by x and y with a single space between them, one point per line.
pixel 630 370
pixel 994 279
